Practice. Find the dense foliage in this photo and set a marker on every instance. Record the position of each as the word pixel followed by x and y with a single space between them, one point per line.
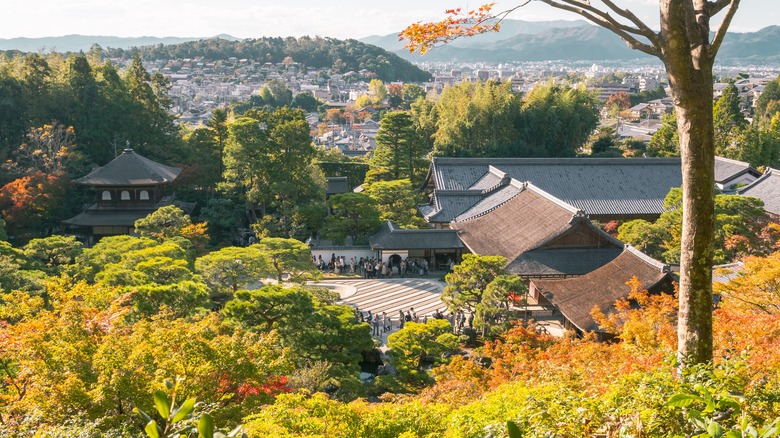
pixel 489 120
pixel 741 224
pixel 106 108
pixel 340 55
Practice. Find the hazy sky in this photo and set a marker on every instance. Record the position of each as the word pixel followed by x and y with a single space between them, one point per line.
pixel 255 18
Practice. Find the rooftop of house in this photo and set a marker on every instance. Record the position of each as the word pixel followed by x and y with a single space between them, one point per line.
pixel 601 187
pixel 576 297
pixel 766 188
pixel 130 169
pixel 528 230
pixel 390 236
pixel 727 169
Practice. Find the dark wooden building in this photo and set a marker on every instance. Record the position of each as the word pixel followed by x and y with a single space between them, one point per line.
pixel 576 297
pixel 126 189
pixel 538 234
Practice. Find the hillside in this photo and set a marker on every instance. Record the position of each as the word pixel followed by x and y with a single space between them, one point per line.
pixel 571 41
pixel 343 55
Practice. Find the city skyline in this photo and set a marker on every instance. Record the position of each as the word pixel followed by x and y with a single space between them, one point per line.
pixel 248 19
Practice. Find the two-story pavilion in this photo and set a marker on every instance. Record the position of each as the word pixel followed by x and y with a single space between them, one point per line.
pixel 126 189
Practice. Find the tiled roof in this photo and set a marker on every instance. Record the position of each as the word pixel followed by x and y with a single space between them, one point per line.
pixel 603 186
pixel 727 169
pixel 600 186
pixel 447 204
pixel 130 169
pixel 515 227
pixel 561 261
pixel 492 200
pixel 766 188
pixel 576 297
pixel 107 218
pixel 390 236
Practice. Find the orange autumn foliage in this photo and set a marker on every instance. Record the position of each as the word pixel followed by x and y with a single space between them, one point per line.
pixel 32 201
pixel 642 321
pixel 457 23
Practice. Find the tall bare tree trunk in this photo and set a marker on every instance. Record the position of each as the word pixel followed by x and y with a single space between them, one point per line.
pixel 689 66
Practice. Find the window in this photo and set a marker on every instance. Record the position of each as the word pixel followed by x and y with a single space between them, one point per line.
pixel 125 195
pixel 105 196
pixel 144 195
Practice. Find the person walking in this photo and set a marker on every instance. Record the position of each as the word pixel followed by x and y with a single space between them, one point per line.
pixel 388 324
pixel 378 322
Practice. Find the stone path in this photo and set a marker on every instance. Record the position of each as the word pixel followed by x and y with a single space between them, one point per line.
pixel 390 296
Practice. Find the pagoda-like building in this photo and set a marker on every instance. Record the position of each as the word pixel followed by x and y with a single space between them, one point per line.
pixel 126 189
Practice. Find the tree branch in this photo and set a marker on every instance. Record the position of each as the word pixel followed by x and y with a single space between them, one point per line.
pixel 713 7
pixel 604 20
pixel 625 13
pixel 717 40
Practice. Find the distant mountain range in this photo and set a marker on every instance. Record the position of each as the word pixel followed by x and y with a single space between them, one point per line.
pixel 76 43
pixel 568 40
pixel 518 41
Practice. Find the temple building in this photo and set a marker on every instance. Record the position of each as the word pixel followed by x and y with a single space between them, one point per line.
pixel 126 189
pixel 605 189
pixel 538 234
pixel 576 297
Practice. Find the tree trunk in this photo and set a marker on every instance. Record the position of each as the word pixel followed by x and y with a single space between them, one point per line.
pixel 697 148
pixel 690 76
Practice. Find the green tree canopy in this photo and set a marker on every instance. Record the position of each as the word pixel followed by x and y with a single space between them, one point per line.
pixel 410 346
pixel 397 201
pixel 468 281
pixel 354 215
pixel 739 223
pixel 288 257
pixel 399 151
pixel 665 142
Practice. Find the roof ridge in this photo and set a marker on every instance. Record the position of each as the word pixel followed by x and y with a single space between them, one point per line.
pixel 731 160
pixel 646 258
pixel 446 192
pixel 552 198
pixel 489 210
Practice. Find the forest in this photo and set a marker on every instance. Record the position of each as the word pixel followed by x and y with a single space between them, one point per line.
pixel 343 55
pixel 185 327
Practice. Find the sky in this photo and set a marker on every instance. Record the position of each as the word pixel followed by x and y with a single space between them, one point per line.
pixel 257 18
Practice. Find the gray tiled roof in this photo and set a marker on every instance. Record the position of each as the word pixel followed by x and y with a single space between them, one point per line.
pixel 767 189
pixel 491 201
pixel 106 218
pixel 450 203
pixel 562 261
pixel 490 179
pixel 390 236
pixel 602 186
pixel 130 169
pixel 726 169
